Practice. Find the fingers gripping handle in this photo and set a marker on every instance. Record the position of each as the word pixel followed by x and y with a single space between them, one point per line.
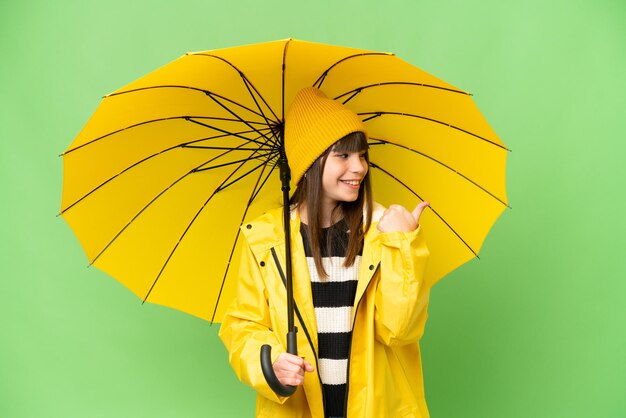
pixel 268 370
pixel 270 376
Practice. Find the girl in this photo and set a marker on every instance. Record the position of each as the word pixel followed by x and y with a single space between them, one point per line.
pixel 357 280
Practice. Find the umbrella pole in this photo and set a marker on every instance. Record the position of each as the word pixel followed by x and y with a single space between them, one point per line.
pixel 292 348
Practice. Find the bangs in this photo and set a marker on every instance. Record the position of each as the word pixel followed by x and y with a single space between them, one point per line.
pixel 354 142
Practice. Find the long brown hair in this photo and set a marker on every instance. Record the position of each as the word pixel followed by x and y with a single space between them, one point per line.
pixel 309 192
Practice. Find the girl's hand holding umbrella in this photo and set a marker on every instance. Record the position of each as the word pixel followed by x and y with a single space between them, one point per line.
pixel 398 219
pixel 289 369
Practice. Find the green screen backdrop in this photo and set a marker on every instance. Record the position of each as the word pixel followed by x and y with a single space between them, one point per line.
pixel 535 328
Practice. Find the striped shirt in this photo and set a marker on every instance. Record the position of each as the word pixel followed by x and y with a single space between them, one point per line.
pixel 333 300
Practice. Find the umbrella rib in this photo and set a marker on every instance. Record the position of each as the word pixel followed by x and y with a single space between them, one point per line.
pixel 248 86
pixel 187 230
pixel 374 165
pixel 263 184
pixel 183 145
pixel 238 117
pixel 230 257
pixel 205 92
pixel 243 160
pixel 373 115
pixel 255 191
pixel 216 148
pixel 150 204
pixel 385 142
pixel 318 83
pixel 243 76
pixel 263 163
pixel 260 111
pixel 215 128
pixel 358 90
pixel 147 122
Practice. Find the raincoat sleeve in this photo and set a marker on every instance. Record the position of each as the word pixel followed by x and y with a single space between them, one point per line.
pixel 247 326
pixel 401 295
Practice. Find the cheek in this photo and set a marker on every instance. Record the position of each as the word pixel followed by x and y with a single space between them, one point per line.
pixel 331 172
pixel 328 179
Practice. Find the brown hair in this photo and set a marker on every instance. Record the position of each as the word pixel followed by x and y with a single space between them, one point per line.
pixel 309 192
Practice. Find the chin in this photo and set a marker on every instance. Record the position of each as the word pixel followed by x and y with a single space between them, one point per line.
pixel 351 198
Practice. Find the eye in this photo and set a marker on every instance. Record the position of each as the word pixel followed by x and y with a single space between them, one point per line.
pixel 342 155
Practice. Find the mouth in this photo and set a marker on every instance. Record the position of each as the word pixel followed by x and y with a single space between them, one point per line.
pixel 353 183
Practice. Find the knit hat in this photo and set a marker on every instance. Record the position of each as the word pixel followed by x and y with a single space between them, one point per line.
pixel 313 123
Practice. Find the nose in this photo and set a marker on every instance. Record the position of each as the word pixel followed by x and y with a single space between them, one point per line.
pixel 358 165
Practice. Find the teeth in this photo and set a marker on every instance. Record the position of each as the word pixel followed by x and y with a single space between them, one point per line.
pixel 352 182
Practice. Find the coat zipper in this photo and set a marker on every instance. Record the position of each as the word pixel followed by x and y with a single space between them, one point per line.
pixel 306 331
pixel 356 308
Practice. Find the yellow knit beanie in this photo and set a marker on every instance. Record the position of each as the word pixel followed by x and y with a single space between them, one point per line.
pixel 313 123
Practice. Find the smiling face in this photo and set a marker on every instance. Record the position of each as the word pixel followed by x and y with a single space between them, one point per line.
pixel 337 184
pixel 342 176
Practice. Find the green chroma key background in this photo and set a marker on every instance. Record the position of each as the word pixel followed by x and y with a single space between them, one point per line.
pixel 536 328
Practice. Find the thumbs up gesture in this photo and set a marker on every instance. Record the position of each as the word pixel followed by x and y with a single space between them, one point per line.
pixel 398 219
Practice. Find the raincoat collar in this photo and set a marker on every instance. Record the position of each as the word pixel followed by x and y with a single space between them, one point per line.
pixel 266 233
pixel 268 228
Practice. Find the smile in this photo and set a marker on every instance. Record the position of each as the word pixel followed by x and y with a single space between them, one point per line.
pixel 352 182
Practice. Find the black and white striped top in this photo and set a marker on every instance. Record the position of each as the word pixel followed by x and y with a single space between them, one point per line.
pixel 333 300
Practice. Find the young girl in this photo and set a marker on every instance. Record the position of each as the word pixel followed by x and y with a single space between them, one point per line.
pixel 357 280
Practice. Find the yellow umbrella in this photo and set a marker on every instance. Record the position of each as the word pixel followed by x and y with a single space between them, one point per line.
pixel 160 178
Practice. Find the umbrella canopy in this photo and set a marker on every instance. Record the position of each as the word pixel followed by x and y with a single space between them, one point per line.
pixel 159 180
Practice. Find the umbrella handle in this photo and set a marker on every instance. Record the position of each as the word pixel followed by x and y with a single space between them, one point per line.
pixel 292 345
pixel 268 370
